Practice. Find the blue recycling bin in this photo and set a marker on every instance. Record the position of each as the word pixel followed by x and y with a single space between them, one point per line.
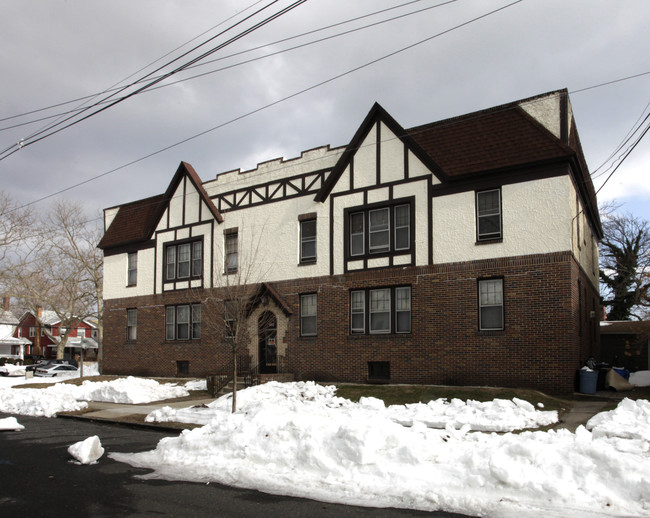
pixel 588 381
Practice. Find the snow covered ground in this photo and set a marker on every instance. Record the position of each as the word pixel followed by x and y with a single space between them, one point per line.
pixel 301 439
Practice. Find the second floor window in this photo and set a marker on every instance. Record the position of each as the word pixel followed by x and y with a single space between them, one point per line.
pixel 231 251
pixel 308 241
pixel 488 215
pixel 184 260
pixel 132 274
pixel 379 231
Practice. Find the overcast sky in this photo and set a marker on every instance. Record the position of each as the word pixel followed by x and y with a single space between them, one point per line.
pixel 55 51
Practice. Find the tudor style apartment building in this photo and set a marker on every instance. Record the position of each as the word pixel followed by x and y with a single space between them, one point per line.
pixel 458 252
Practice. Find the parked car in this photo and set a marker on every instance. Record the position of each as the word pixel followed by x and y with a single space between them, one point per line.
pixel 44 363
pixel 54 369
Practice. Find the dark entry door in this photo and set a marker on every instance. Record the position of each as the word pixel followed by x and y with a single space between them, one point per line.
pixel 267 336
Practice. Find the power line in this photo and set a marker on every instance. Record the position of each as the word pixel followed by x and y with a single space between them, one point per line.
pixel 276 102
pixel 247 51
pixel 32 140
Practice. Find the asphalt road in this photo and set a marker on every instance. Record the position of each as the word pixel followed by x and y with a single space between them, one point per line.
pixel 37 478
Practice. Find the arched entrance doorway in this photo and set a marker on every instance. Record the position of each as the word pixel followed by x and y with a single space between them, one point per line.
pixel 267 330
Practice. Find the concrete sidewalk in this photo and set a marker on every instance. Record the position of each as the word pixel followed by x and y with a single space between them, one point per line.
pixel 120 413
pixel 584 407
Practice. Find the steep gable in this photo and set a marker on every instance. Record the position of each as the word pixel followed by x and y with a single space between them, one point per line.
pixel 377 117
pixel 136 222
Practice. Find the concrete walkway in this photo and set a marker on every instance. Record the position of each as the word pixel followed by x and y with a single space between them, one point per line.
pixel 584 407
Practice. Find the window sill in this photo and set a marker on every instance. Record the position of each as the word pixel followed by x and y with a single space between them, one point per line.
pixel 307 263
pixel 491 332
pixel 489 241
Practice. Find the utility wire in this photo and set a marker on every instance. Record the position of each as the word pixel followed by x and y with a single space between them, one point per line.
pixel 276 102
pixel 247 51
pixel 31 140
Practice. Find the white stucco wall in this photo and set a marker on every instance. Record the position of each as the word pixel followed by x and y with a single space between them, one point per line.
pixel 536 219
pixel 116 274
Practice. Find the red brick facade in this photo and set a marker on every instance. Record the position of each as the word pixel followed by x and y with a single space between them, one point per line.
pixel 549 328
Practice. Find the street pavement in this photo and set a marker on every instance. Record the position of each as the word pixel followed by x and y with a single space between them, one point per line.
pixel 38 478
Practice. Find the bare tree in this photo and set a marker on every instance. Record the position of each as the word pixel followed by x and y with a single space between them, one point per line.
pixel 65 276
pixel 227 307
pixel 625 264
pixel 15 246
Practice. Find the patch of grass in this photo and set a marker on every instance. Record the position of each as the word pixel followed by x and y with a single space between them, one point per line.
pixel 404 394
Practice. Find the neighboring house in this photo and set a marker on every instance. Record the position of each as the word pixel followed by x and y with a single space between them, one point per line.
pixel 625 343
pixel 43 332
pixel 10 345
pixel 459 252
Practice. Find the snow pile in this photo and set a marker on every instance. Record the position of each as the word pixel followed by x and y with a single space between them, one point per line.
pixel 298 439
pixel 499 415
pixel 197 385
pixel 129 391
pixel 14 370
pixel 629 420
pixel 64 397
pixel 10 423
pixel 640 378
pixel 87 451
pixel 46 402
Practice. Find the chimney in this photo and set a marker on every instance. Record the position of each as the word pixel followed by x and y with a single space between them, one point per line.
pixel 39 311
pixel 6 303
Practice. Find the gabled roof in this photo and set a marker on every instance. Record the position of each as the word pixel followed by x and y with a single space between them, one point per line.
pixel 268 289
pixel 485 142
pixel 8 318
pixel 135 222
pixel 375 114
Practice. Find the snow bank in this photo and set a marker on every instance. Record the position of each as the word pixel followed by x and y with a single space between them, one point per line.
pixel 629 420
pixel 299 439
pixel 63 397
pixel 10 423
pixel 87 451
pixel 499 415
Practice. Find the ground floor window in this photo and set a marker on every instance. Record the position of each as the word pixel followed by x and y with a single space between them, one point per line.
pixel 379 371
pixel 490 302
pixel 131 324
pixel 380 310
pixel 308 314
pixel 183 322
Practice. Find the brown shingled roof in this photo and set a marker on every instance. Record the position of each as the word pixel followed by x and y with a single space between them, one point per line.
pixel 488 141
pixel 133 222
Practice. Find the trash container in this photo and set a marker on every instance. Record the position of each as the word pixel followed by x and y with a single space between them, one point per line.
pixel 588 381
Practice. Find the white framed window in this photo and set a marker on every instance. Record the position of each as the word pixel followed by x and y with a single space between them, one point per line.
pixel 357 233
pixel 231 251
pixel 380 305
pixel 490 295
pixel 488 215
pixel 131 324
pixel 381 230
pixel 183 322
pixel 184 260
pixel 358 311
pixel 308 241
pixel 308 314
pixel 402 227
pixel 380 310
pixel 403 309
pixel 132 269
